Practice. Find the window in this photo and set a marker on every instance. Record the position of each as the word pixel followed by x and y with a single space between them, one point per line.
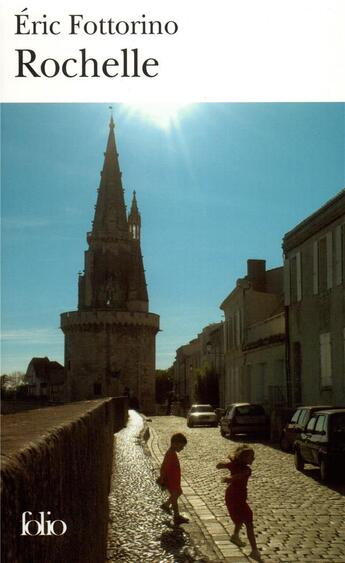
pixel 238 328
pixel 304 417
pixel 323 264
pixel 252 410
pixel 287 291
pixel 296 416
pixel 228 340
pixel 295 278
pixel 311 424
pixel 320 423
pixel 325 360
pixel 339 254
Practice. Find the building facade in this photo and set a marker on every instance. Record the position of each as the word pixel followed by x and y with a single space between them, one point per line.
pixel 314 274
pixel 248 341
pixel 199 362
pixel 110 339
pixel 265 362
pixel 46 380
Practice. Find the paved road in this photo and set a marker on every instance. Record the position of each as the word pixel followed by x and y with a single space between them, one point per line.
pixel 297 518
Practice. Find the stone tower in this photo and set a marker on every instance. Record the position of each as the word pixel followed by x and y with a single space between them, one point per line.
pixel 110 339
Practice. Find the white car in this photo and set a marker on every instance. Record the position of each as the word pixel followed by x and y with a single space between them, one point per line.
pixel 201 415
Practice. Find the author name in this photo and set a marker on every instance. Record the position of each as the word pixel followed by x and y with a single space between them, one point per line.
pixel 127 63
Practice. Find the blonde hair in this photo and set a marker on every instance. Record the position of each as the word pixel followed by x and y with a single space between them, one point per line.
pixel 240 452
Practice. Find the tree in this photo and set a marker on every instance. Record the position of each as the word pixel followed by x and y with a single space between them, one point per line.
pixel 13 385
pixel 164 384
pixel 3 381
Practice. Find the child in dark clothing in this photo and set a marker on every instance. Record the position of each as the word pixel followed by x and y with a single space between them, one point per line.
pixel 170 477
pixel 236 495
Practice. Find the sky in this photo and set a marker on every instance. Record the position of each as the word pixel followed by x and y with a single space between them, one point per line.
pixel 216 184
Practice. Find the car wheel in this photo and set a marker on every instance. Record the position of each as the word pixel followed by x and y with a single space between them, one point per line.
pixel 284 443
pixel 324 470
pixel 299 463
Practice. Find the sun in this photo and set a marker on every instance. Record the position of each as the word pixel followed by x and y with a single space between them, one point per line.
pixel 165 115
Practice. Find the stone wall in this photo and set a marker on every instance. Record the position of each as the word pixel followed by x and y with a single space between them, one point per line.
pixel 59 459
pixel 107 351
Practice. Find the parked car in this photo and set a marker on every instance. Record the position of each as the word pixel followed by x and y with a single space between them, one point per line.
pixel 322 443
pixel 219 413
pixel 299 420
pixel 201 415
pixel 244 418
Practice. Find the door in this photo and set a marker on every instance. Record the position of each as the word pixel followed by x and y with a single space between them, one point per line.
pixel 306 441
pixel 318 438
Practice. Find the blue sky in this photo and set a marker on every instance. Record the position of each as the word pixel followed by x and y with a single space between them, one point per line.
pixel 222 184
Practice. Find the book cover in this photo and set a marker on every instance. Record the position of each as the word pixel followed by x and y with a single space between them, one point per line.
pixel 173 233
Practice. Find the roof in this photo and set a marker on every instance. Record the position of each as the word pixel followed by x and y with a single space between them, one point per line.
pixel 331 411
pixel 321 218
pixel 51 371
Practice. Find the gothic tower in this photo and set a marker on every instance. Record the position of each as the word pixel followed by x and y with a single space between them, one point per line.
pixel 110 339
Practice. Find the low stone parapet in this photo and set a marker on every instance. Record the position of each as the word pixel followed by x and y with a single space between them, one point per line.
pixel 56 469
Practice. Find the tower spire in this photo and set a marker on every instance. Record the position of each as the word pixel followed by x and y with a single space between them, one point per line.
pixel 110 214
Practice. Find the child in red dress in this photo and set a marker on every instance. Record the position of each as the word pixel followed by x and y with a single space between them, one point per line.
pixel 236 495
pixel 170 477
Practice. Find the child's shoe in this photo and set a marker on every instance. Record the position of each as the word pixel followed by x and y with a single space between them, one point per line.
pixel 237 541
pixel 180 520
pixel 255 555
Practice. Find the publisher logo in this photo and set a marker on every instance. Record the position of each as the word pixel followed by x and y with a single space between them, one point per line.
pixel 42 526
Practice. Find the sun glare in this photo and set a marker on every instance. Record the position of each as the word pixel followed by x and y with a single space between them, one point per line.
pixel 164 116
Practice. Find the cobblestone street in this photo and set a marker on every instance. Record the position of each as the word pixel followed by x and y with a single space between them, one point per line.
pixel 296 517
pixel 139 532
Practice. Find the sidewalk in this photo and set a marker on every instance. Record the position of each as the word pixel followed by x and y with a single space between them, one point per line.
pixel 206 528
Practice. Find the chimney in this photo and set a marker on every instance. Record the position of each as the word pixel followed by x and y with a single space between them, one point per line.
pixel 256 274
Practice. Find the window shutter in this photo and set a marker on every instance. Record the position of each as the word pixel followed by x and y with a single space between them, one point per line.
pixel 326 359
pixel 238 328
pixel 329 260
pixel 299 276
pixel 287 299
pixel 338 255
pixel 315 268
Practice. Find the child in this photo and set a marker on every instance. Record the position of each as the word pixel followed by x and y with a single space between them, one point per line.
pixel 236 495
pixel 170 477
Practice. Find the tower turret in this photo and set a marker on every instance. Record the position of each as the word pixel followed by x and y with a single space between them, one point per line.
pixel 134 219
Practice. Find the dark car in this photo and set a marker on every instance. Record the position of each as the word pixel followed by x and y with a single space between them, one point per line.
pixel 323 443
pixel 297 424
pixel 244 418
